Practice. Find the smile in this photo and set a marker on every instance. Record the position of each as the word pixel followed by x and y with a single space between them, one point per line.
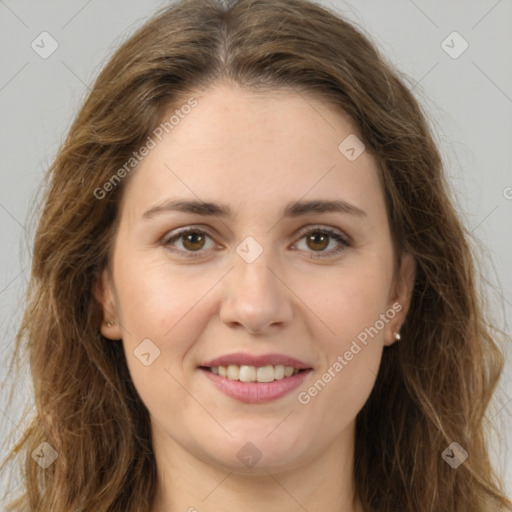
pixel 251 384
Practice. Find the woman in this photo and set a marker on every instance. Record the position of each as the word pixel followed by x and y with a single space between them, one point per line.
pixel 250 289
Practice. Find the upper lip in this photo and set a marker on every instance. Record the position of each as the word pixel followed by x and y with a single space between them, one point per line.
pixel 243 359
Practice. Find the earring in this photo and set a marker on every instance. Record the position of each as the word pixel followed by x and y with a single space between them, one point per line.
pixel 397 336
pixel 110 323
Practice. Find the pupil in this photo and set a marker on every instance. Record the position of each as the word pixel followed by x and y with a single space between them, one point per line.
pixel 315 240
pixel 192 238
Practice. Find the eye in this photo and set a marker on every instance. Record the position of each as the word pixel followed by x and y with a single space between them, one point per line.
pixel 191 239
pixel 318 239
pixel 194 240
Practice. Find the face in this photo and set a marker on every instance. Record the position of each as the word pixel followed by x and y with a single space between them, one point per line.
pixel 296 260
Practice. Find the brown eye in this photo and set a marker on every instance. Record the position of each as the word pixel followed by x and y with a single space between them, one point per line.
pixel 189 242
pixel 318 241
pixel 193 241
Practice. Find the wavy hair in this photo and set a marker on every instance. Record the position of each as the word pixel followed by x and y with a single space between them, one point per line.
pixel 433 388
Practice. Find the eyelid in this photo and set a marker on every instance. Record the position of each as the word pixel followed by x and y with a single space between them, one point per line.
pixel 324 228
pixel 177 233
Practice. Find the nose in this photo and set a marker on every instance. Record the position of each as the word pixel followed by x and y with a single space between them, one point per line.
pixel 256 296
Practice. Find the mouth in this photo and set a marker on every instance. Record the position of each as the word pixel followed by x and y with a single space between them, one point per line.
pixel 261 374
pixel 253 384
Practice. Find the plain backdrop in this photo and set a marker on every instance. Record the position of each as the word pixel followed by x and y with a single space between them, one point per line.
pixel 467 96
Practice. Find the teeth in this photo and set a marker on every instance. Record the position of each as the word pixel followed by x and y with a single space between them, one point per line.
pixel 233 372
pixel 265 374
pixel 247 374
pixel 279 371
pixel 254 374
pixel 288 371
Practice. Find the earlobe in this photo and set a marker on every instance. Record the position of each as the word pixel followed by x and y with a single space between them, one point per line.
pixel 104 295
pixel 401 297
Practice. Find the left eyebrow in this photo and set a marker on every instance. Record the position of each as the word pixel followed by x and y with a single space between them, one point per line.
pixel 291 210
pixel 299 208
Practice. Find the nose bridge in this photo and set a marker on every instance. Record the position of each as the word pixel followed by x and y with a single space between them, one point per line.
pixel 254 296
pixel 255 275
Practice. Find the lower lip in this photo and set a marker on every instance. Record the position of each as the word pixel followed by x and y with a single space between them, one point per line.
pixel 257 392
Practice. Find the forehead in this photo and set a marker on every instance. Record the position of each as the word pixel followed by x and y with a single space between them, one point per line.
pixel 254 148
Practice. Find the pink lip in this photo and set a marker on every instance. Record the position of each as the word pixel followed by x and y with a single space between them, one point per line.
pixel 242 359
pixel 256 392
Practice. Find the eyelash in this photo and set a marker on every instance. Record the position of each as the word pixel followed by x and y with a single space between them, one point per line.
pixel 344 243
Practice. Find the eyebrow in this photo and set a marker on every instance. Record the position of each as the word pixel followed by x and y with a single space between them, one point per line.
pixel 291 210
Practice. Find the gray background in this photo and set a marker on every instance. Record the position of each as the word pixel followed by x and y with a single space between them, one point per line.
pixel 468 101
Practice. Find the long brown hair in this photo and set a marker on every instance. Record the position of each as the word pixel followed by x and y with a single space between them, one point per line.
pixel 433 387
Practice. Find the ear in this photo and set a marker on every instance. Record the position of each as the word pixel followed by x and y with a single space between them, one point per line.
pixel 106 298
pixel 400 297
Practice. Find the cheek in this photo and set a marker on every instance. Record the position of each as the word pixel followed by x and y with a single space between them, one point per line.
pixel 163 313
pixel 156 297
pixel 166 307
pixel 334 398
pixel 351 301
pixel 353 307
pixel 337 393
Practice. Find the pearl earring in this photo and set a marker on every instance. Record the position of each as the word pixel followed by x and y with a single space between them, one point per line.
pixel 397 336
pixel 110 323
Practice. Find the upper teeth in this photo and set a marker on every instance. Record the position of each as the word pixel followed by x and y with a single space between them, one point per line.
pixel 253 373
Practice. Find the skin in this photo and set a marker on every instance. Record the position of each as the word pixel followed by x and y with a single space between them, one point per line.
pixel 254 153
